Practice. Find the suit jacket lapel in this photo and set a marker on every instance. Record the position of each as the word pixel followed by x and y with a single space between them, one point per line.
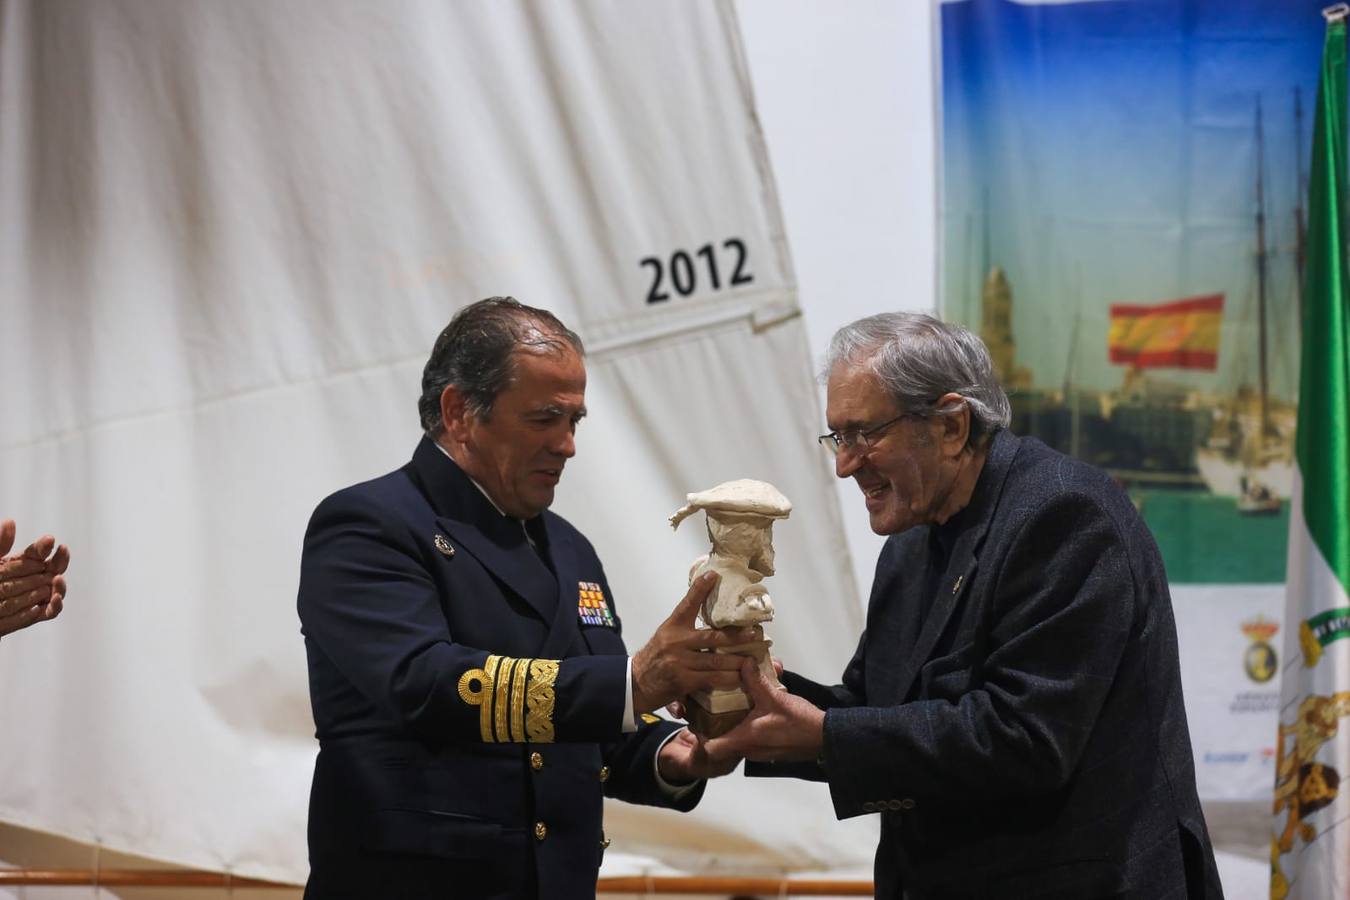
pixel 471 521
pixel 964 559
pixel 891 601
pixel 951 587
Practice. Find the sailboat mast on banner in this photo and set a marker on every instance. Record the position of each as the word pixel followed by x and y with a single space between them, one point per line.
pixel 1250 452
pixel 1231 438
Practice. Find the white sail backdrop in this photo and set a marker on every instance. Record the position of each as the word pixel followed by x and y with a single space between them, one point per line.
pixel 228 236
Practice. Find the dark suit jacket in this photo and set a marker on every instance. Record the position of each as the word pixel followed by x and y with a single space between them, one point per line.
pixel 455 758
pixel 1027 738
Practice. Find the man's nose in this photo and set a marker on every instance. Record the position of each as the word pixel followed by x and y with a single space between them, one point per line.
pixel 846 462
pixel 564 444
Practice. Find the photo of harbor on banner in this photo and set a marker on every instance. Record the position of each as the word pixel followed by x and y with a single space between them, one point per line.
pixel 1123 221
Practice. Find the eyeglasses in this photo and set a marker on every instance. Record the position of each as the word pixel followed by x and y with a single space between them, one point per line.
pixel 856 438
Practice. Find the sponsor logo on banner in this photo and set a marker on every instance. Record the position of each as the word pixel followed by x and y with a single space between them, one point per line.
pixel 1260 661
pixel 1235 757
pixel 1238 757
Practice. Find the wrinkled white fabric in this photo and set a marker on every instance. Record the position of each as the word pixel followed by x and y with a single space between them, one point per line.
pixel 229 234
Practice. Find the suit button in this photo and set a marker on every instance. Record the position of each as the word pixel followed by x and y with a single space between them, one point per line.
pixel 604 841
pixel 536 761
pixel 906 803
pixel 894 804
pixel 540 830
pixel 604 773
pixel 869 806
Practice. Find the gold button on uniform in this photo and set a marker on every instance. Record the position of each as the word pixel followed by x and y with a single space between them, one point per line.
pixel 536 760
pixel 604 841
pixel 604 773
pixel 540 830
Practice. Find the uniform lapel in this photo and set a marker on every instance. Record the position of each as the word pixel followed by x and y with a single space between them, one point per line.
pixel 564 557
pixel 961 565
pixel 470 521
pixel 505 553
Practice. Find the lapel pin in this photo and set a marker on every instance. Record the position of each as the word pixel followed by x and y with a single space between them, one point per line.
pixel 956 587
pixel 444 546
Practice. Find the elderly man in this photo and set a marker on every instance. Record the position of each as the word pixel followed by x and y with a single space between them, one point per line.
pixel 32 586
pixel 1013 711
pixel 471 691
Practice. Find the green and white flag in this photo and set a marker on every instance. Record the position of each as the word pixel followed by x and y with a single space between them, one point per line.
pixel 1310 840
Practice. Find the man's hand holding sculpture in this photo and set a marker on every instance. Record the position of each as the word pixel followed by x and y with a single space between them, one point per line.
pixel 672 664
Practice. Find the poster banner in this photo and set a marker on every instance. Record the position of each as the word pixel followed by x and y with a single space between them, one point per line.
pixel 1123 220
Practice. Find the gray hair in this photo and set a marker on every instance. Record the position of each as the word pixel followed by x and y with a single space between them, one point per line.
pixel 918 358
pixel 476 353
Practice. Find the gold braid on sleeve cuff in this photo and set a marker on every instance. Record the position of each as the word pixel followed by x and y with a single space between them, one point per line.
pixel 514 699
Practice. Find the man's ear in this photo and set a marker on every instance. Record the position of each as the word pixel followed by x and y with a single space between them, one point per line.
pixel 955 424
pixel 454 413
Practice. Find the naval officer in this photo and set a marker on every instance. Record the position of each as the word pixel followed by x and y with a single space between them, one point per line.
pixel 472 694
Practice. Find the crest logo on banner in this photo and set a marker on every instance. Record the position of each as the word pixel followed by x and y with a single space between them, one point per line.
pixel 1260 661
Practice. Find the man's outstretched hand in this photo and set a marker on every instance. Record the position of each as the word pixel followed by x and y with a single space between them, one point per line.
pixel 781 726
pixel 683 759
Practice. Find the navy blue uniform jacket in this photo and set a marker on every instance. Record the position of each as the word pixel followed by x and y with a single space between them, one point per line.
pixel 468 713
pixel 1026 738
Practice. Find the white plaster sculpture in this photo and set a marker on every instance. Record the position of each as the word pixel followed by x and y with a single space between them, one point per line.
pixel 740 517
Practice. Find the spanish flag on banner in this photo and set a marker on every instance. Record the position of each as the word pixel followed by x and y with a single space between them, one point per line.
pixel 1181 334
